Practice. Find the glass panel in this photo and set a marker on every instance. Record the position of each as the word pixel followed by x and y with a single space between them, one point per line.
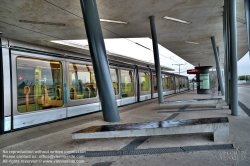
pixel 127 81
pixel 171 80
pixel 145 83
pixel 39 84
pixel 177 82
pixel 114 77
pixel 164 84
pixel 168 82
pixel 82 81
pixel 155 84
pixel 186 83
pixel 180 79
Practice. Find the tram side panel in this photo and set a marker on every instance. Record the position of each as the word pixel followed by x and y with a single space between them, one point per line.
pixel 39 91
pixel 6 85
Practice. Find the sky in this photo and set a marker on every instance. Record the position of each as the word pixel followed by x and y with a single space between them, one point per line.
pixel 142 49
pixel 244 65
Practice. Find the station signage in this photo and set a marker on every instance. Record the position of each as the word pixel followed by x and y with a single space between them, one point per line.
pixel 192 71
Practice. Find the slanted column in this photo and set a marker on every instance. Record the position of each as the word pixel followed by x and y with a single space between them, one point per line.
pixel 226 2
pixel 218 68
pixel 247 10
pixel 99 61
pixel 225 52
pixel 1 90
pixel 156 59
pixel 233 57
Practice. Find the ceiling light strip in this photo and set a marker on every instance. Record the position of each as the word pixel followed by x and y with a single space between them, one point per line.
pixel 190 42
pixel 113 21
pixel 177 20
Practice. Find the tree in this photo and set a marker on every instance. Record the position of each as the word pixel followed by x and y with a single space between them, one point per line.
pixel 243 78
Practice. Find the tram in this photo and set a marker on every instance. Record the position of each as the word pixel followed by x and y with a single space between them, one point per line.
pixel 43 84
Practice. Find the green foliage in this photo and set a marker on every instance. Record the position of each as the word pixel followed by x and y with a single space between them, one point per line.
pixel 243 78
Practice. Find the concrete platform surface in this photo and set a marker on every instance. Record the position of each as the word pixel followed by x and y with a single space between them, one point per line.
pixel 52 144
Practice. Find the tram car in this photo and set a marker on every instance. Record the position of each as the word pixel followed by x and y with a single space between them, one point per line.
pixel 42 84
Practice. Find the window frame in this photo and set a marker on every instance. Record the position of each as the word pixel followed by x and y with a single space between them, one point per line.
pixel 134 76
pixel 79 101
pixel 147 92
pixel 23 54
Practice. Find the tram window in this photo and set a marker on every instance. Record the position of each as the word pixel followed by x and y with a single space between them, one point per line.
pixel 145 83
pixel 164 84
pixel 167 81
pixel 172 83
pixel 183 82
pixel 127 81
pixel 39 84
pixel 177 82
pixel 82 81
pixel 155 83
pixel 114 78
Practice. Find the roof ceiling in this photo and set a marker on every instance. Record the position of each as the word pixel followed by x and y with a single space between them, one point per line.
pixel 205 15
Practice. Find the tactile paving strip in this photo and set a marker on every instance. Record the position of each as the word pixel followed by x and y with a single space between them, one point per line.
pixel 153 150
pixel 207 147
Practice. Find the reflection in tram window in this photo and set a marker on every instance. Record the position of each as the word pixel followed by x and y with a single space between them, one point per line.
pixel 81 81
pixel 39 84
pixel 127 81
pixel 114 78
pixel 145 83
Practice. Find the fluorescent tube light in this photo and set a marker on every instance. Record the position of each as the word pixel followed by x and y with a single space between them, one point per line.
pixel 191 42
pixel 177 20
pixel 113 21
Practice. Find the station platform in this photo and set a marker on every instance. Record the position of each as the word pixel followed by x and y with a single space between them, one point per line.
pixel 53 144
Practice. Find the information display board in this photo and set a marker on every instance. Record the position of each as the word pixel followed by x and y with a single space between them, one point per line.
pixel 204 81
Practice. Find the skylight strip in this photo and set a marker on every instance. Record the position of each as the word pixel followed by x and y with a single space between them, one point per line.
pixel 177 20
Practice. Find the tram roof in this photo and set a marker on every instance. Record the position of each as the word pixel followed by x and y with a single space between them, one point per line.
pixel 40 22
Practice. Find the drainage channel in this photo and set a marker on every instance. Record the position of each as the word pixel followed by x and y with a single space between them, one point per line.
pixel 154 150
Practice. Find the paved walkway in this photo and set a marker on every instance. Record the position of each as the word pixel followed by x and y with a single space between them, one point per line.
pixel 53 142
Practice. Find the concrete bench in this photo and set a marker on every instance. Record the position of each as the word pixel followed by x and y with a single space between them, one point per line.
pixel 217 101
pixel 218 126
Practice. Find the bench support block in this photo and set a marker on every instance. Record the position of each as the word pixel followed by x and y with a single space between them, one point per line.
pixel 218 126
